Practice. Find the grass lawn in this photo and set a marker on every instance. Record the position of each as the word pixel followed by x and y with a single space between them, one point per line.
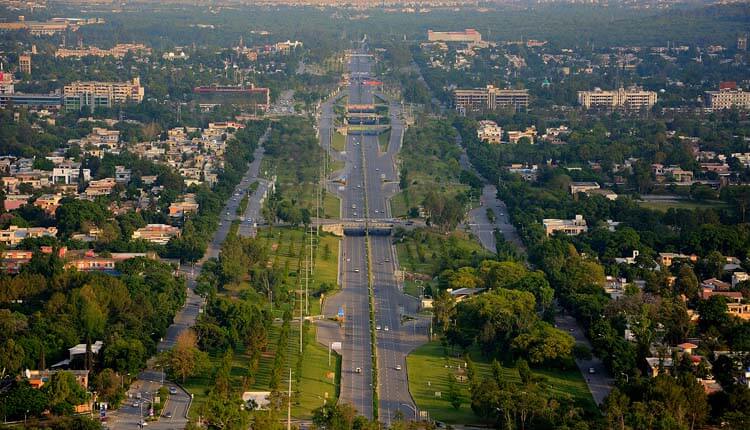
pixel 414 195
pixel 682 204
pixel 420 255
pixel 318 378
pixel 429 367
pixel 285 245
pixel 338 142
pixel 384 139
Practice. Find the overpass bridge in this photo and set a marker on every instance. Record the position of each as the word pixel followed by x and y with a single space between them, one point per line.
pixel 358 227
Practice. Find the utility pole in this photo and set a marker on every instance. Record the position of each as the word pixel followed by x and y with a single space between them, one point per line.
pixel 289 403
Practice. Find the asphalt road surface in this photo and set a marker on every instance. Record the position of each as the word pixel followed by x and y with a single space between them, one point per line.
pixel 484 229
pixel 370 174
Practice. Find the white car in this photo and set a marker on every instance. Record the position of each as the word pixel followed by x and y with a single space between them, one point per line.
pixel 398 367
pixel 386 328
pixel 377 327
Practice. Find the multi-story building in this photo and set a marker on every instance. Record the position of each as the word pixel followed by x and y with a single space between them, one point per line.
pixel 571 227
pixel 118 51
pixel 24 63
pixel 632 98
pixel 6 83
pixel 14 235
pixel 157 233
pixel 97 93
pixel 729 96
pixel 468 36
pixel 489 131
pixel 490 98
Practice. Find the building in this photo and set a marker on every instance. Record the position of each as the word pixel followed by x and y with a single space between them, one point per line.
pixel 490 98
pixel 515 136
pixel 467 36
pixel 582 187
pixel 94 94
pixel 632 98
pixel 118 51
pixel 571 227
pixel 6 83
pixel 157 233
pixel 489 131
pixel 45 101
pixel 667 258
pixel 24 63
pixel 70 173
pixel 742 42
pixel 729 96
pixel 14 235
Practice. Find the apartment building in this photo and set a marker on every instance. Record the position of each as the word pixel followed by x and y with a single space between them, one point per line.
pixel 729 96
pixel 632 98
pixel 489 131
pixel 571 227
pixel 92 93
pixel 24 63
pixel 118 51
pixel 469 35
pixel 490 98
pixel 157 233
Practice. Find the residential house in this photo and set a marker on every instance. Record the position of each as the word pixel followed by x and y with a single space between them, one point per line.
pixel 516 136
pixel 570 227
pixel 48 203
pixel 14 235
pixel 489 131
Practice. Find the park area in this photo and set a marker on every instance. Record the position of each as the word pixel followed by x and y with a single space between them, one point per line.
pixel 430 366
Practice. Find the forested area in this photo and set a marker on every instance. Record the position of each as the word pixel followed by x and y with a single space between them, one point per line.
pixel 47 310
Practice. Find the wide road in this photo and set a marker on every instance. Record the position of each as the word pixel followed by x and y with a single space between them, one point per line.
pixel 371 179
pixel 354 332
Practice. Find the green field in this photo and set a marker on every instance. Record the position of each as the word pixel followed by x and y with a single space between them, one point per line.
pixel 682 204
pixel 421 183
pixel 383 140
pixel 285 246
pixel 303 193
pixel 318 378
pixel 421 256
pixel 338 142
pixel 429 367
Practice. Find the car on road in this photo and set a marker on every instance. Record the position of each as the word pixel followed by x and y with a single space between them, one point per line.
pixel 592 370
pixel 172 390
pixel 168 415
pixel 398 367
pixel 377 327
pixel 387 260
pixel 356 270
pixel 136 404
pixel 358 370
pixel 386 328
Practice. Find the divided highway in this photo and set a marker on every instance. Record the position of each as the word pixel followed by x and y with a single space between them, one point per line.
pixel 371 179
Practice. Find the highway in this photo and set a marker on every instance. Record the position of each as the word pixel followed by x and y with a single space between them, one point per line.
pixel 371 176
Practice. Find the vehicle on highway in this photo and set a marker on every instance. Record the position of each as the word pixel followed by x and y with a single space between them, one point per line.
pixel 377 327
pixel 168 415
pixel 398 367
pixel 358 370
pixel 136 404
pixel 172 390
pixel 386 328
pixel 387 260
pixel 592 370
pixel 356 270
